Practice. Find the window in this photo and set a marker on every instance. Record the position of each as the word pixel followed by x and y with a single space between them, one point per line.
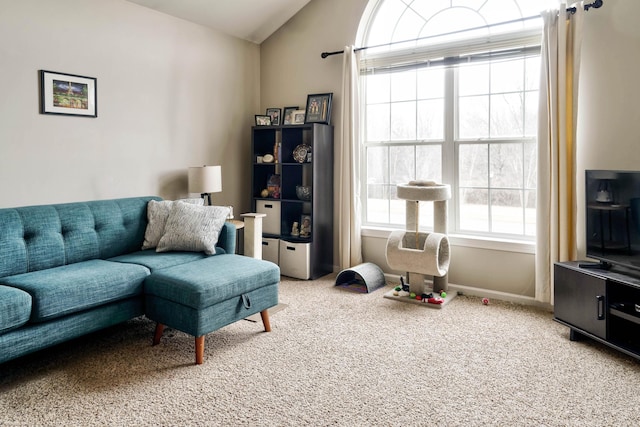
pixel 450 94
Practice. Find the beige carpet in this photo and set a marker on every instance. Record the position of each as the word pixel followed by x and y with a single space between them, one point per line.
pixel 273 310
pixel 334 358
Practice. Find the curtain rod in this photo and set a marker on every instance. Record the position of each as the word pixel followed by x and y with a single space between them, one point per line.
pixel 596 5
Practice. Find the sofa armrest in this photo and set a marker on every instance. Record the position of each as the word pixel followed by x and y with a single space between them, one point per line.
pixel 227 238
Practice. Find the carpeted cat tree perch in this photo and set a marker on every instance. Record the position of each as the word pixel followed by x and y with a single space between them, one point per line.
pixel 422 254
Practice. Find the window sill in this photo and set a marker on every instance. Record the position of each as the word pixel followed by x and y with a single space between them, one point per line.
pixel 506 245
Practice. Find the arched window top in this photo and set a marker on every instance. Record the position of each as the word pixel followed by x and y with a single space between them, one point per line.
pixel 393 21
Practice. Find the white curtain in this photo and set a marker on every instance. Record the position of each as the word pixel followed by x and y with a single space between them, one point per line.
pixel 556 198
pixel 348 165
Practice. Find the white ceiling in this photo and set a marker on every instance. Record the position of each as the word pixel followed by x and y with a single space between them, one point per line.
pixel 252 20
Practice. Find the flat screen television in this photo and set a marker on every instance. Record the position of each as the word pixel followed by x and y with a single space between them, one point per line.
pixel 613 217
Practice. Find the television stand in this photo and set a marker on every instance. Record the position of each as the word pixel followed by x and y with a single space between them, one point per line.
pixel 599 303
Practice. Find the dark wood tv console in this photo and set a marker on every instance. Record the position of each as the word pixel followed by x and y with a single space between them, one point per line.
pixel 601 304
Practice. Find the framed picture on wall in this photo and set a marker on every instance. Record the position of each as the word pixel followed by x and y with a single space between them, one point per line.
pixel 68 94
pixel 288 115
pixel 319 108
pixel 274 113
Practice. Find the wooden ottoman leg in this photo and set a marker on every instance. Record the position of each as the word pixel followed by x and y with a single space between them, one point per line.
pixel 199 350
pixel 265 320
pixel 158 334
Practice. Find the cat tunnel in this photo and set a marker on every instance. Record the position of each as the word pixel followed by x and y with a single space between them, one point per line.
pixel 363 278
pixel 418 253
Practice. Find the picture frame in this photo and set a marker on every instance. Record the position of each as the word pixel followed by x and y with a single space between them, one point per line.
pixel 287 117
pixel 305 226
pixel 68 94
pixel 298 117
pixel 263 120
pixel 319 108
pixel 274 113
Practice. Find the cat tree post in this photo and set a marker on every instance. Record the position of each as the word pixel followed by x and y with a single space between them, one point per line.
pixel 421 254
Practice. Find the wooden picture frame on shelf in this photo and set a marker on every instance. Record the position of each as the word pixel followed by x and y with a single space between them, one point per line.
pixel 298 117
pixel 319 108
pixel 287 114
pixel 274 113
pixel 263 120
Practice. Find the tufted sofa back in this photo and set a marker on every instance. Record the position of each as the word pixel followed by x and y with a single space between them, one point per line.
pixel 40 237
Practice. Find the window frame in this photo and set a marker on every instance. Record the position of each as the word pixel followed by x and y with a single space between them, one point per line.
pixel 451 143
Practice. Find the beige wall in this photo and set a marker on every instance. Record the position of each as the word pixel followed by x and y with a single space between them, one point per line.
pixel 609 134
pixel 609 125
pixel 171 94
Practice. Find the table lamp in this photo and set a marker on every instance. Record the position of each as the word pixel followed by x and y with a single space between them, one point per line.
pixel 205 180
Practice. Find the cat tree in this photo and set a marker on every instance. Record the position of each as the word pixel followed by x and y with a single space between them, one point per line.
pixel 422 254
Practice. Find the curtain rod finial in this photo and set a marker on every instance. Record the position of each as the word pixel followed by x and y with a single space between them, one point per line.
pixel 596 5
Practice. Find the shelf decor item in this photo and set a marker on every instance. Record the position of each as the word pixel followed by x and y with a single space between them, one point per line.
pixel 305 226
pixel 263 120
pixel 319 108
pixel 303 192
pixel 273 186
pixel 300 153
pixel 297 117
pixel 288 115
pixel 68 94
pixel 274 113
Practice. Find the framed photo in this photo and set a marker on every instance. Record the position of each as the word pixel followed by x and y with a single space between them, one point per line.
pixel 319 108
pixel 305 225
pixel 288 116
pixel 274 113
pixel 263 120
pixel 297 117
pixel 68 94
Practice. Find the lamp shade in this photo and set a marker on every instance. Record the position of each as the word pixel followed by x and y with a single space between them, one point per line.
pixel 205 179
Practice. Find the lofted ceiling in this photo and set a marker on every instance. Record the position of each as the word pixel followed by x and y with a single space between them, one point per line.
pixel 252 20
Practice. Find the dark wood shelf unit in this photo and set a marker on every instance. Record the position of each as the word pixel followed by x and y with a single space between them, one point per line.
pixel 317 172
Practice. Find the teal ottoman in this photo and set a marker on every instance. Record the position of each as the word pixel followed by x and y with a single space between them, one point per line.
pixel 202 296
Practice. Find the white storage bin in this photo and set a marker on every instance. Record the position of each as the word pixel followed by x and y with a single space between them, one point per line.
pixel 294 259
pixel 270 250
pixel 270 223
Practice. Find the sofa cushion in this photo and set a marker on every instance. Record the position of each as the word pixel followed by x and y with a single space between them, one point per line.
pixel 157 215
pixel 71 288
pixel 41 237
pixel 156 261
pixel 15 308
pixel 202 283
pixel 193 228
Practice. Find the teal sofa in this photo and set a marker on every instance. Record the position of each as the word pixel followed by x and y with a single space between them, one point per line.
pixel 71 269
